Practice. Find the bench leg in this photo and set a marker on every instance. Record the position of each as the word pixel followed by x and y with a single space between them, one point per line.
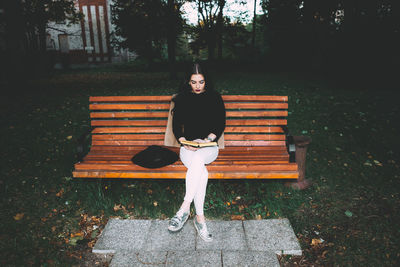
pixel 301 143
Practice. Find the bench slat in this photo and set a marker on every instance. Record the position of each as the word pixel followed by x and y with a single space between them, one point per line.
pixel 128 137
pixel 256 105
pixel 130 129
pixel 217 162
pixel 270 158
pixel 227 137
pixel 256 122
pixel 106 115
pixel 226 150
pixel 254 98
pixel 253 129
pixel 163 122
pixel 211 167
pixel 226 98
pixel 182 175
pixel 158 98
pixel 164 114
pixel 249 129
pixel 128 123
pixel 158 106
pixel 129 106
pixel 256 137
pixel 161 142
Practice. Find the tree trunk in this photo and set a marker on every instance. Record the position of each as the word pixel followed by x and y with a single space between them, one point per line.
pixel 253 40
pixel 220 24
pixel 12 62
pixel 211 45
pixel 171 39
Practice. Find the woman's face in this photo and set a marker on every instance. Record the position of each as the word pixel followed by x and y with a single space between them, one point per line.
pixel 197 83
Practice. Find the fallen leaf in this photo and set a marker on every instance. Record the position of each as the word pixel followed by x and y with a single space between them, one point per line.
pixel 94 233
pixel 60 193
pixel 19 216
pixel 117 207
pixel 348 213
pixel 237 217
pixel 242 207
pixel 73 241
pixel 76 234
pixel 69 137
pixel 316 241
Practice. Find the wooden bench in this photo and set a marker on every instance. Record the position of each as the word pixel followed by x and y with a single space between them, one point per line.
pixel 256 138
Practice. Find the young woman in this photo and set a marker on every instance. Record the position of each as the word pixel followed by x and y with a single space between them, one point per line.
pixel 199 115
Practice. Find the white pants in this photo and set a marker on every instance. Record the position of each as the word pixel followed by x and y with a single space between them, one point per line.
pixel 197 174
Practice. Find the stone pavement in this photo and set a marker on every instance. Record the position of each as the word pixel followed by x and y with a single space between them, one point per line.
pixel 236 243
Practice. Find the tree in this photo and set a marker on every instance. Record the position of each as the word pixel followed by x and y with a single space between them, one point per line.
pixel 146 25
pixel 220 26
pixel 25 31
pixel 211 23
pixel 174 26
pixel 351 35
pixel 141 24
pixel 253 37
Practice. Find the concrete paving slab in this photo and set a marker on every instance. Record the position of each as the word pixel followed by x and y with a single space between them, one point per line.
pixel 129 258
pixel 194 258
pixel 249 258
pixel 160 239
pixel 122 234
pixel 227 235
pixel 274 235
pixel 236 243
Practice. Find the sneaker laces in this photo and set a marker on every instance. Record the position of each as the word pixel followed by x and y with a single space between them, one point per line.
pixel 203 229
pixel 176 220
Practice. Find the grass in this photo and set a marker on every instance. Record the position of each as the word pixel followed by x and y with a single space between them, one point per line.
pixel 347 218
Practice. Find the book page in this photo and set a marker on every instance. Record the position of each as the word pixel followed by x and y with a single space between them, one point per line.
pixel 195 144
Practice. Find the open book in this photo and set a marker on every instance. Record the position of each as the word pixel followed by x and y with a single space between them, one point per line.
pixel 195 144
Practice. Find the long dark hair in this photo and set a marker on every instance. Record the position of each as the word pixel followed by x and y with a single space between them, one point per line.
pixel 185 89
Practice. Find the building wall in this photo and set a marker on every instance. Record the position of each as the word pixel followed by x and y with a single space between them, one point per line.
pixel 88 41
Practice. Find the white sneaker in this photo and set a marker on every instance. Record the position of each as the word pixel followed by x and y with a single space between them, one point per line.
pixel 177 222
pixel 202 230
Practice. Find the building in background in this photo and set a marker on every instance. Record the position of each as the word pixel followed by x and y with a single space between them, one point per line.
pixel 90 40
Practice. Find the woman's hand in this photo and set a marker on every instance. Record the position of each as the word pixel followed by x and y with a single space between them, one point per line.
pixel 210 138
pixel 191 148
pixel 187 147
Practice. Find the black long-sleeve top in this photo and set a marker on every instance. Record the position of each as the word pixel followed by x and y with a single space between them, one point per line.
pixel 197 115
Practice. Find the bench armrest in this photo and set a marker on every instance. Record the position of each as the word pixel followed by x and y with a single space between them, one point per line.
pixel 81 142
pixel 290 145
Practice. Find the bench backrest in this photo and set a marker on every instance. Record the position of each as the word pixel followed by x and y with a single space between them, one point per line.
pixel 252 120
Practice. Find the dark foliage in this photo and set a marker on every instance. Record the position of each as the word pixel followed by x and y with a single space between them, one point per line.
pixel 338 34
pixel 144 26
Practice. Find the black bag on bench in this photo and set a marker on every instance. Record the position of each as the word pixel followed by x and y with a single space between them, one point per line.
pixel 155 157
